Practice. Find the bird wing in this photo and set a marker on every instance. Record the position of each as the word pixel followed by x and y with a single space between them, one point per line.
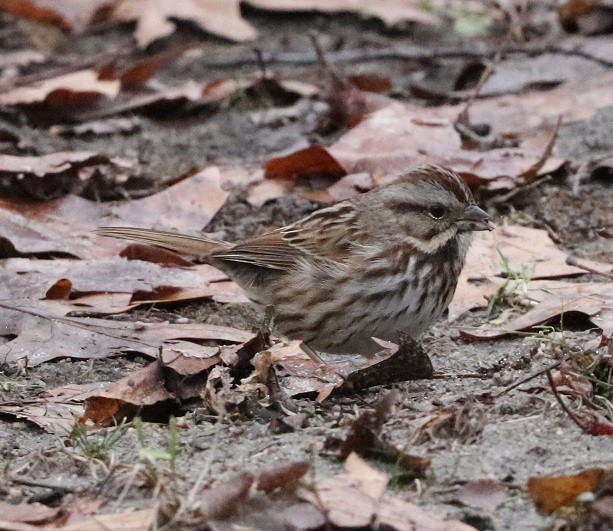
pixel 323 238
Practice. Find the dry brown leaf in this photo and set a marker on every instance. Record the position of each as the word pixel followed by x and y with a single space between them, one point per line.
pixel 552 493
pixel 393 139
pixel 486 494
pixel 284 477
pixel 67 14
pixel 183 371
pixel 530 252
pixel 222 499
pixel 397 137
pixel 70 89
pixel 56 410
pixel 188 205
pixel 371 481
pixel 347 500
pixel 26 513
pixel 140 520
pixel 111 285
pixel 109 126
pixel 40 331
pixel 61 227
pixel 49 176
pixel 220 17
pixel 593 299
pixel 391 12
pixel 65 226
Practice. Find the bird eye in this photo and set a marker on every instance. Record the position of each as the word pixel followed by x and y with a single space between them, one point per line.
pixel 437 212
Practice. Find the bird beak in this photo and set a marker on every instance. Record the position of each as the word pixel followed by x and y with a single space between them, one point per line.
pixel 474 218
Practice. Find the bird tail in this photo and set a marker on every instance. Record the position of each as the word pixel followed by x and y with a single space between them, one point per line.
pixel 195 246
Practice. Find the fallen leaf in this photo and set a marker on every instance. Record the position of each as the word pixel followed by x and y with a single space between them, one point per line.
pixel 530 253
pixel 111 285
pixel 397 137
pixel 141 520
pixel 284 477
pixel 153 18
pixel 40 329
pixel 50 176
pixel 222 499
pixel 66 14
pixel 486 494
pixel 592 299
pixel 347 501
pixel 27 513
pixel 371 481
pixel 76 88
pixel 56 410
pixel 109 126
pixel 64 227
pixel 552 493
pixel 391 12
pixel 188 205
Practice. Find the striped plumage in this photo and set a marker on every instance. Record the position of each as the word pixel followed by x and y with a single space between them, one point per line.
pixel 378 265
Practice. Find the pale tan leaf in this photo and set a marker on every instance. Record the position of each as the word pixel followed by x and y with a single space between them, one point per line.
pixel 220 17
pixel 76 85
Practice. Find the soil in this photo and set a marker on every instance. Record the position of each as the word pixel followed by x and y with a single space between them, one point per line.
pixel 518 435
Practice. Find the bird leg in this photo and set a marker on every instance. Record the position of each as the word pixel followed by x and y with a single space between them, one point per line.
pixel 311 353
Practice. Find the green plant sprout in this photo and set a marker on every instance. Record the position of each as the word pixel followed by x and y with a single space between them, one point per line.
pixel 95 446
pixel 514 282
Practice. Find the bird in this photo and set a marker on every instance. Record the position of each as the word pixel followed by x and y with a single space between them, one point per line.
pixel 379 266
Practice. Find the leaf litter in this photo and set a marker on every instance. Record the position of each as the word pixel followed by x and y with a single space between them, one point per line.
pixel 235 374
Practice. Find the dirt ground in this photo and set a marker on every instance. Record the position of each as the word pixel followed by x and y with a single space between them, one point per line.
pixel 518 435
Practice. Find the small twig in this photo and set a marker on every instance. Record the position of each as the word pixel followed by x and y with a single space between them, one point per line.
pixel 261 63
pixel 337 79
pixel 462 122
pixel 485 75
pixel 572 261
pixel 499 199
pixel 527 379
pixel 44 484
pixel 446 375
pixel 534 169
pixel 572 416
pixel 422 54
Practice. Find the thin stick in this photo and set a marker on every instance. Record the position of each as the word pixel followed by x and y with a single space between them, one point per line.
pixel 527 379
pixel 572 261
pixel 422 54
pixel 561 402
